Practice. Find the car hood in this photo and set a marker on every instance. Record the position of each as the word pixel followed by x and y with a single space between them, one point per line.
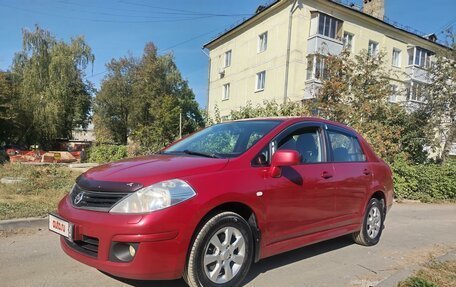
pixel 132 174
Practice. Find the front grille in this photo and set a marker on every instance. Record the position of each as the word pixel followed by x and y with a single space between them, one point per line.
pixel 95 200
pixel 88 245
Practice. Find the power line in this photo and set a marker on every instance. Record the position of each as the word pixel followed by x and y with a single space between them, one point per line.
pixel 182 10
pixel 189 18
pixel 166 49
pixel 179 12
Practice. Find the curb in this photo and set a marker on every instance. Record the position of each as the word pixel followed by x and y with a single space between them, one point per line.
pixel 11 224
pixel 403 274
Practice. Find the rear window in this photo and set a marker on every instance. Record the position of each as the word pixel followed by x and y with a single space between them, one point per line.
pixel 345 148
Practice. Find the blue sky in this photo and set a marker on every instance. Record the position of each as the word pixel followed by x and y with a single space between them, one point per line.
pixel 114 28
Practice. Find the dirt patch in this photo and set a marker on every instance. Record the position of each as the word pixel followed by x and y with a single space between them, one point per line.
pixel 19 231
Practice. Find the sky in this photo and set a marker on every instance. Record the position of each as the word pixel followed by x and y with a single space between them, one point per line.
pixel 116 28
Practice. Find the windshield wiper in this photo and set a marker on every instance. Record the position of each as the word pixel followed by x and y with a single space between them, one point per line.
pixel 205 154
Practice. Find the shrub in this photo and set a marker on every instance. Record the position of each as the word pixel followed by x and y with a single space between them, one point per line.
pixel 106 153
pixel 425 182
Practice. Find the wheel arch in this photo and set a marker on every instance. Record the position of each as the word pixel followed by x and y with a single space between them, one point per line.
pixel 245 211
pixel 380 195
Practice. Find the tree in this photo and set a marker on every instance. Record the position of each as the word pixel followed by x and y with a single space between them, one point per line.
pixel 440 98
pixel 144 100
pixel 8 109
pixel 355 91
pixel 53 92
pixel 113 102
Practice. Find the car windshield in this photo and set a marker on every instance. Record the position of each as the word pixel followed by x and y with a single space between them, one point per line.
pixel 224 140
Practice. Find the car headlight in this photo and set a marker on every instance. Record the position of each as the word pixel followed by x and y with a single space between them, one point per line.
pixel 155 197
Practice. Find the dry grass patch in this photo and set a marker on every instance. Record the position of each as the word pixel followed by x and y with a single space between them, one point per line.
pixel 37 194
pixel 434 274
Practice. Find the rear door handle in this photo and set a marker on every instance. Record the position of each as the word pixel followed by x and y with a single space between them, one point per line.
pixel 326 175
pixel 366 171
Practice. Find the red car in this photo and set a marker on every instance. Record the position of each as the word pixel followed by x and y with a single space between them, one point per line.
pixel 209 206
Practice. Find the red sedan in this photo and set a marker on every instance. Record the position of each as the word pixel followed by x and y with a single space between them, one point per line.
pixel 209 206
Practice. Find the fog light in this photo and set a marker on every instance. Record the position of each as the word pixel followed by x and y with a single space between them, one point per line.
pixel 122 251
pixel 132 251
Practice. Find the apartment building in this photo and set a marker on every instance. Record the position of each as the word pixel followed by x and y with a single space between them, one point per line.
pixel 278 54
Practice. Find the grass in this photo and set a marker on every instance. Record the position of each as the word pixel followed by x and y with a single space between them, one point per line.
pixel 434 274
pixel 39 192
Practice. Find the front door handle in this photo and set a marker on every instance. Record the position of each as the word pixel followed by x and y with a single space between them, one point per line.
pixel 366 171
pixel 326 175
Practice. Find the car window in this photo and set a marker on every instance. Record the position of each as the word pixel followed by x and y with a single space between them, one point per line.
pixel 225 140
pixel 305 141
pixel 345 148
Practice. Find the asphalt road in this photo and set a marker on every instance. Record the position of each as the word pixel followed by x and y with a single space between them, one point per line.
pixel 414 234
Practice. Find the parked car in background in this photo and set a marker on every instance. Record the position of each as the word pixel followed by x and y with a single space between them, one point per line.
pixel 209 206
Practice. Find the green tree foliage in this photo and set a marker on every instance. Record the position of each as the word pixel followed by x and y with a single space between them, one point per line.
pixel 440 98
pixel 104 153
pixel 8 109
pixel 355 91
pixel 143 100
pixel 268 109
pixel 425 182
pixel 53 93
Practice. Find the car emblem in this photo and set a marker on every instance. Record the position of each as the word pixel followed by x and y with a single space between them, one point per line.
pixel 78 198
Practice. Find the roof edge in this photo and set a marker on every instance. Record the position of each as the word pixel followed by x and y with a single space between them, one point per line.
pixel 360 13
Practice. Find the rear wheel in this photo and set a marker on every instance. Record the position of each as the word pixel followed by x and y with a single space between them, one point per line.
pixel 372 226
pixel 221 253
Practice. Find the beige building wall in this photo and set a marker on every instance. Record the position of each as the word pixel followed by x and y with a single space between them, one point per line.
pixel 247 61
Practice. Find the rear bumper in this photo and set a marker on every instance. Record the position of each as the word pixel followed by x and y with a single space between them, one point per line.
pixel 161 247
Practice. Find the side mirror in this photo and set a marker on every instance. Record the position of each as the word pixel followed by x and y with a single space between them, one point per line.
pixel 283 158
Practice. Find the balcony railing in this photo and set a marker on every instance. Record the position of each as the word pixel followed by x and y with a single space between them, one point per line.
pixel 417 73
pixel 319 44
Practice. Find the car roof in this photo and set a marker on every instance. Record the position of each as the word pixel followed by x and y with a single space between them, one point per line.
pixel 296 119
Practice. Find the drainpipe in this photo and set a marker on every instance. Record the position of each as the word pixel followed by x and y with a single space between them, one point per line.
pixel 208 79
pixel 287 64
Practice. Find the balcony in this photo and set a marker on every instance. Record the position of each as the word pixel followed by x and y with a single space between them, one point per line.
pixel 319 44
pixel 311 89
pixel 417 73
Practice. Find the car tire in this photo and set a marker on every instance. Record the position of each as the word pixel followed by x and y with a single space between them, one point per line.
pixel 215 261
pixel 372 226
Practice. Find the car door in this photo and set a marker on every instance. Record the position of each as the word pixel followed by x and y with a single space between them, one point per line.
pixel 352 174
pixel 301 201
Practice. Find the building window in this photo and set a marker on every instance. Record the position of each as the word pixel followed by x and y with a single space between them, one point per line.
pixel 316 67
pixel 226 92
pixel 393 96
pixel 348 41
pixel 262 42
pixel 420 57
pixel 372 49
pixel 227 60
pixel 396 57
pixel 260 81
pixel 415 92
pixel 329 26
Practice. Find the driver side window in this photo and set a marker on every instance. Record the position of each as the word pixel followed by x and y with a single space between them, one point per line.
pixel 307 142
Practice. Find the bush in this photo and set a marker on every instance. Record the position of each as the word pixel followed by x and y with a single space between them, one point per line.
pixel 425 182
pixel 106 153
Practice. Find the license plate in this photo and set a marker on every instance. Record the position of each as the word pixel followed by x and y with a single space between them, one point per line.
pixel 60 226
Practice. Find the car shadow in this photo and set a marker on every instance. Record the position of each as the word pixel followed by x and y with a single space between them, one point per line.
pixel 260 267
pixel 296 255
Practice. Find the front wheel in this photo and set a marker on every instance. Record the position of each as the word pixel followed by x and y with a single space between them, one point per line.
pixel 372 226
pixel 221 253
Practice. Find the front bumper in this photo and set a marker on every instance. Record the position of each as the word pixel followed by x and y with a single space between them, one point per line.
pixel 161 248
